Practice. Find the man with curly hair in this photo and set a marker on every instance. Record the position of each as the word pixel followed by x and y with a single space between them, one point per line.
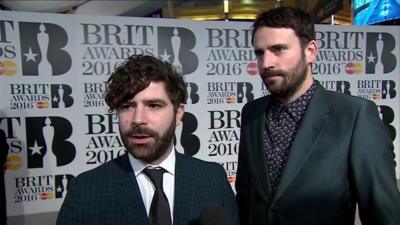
pixel 148 96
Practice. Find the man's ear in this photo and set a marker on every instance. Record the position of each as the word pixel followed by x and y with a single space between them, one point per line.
pixel 179 114
pixel 311 51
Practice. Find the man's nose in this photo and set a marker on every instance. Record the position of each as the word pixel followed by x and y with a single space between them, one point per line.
pixel 268 60
pixel 140 115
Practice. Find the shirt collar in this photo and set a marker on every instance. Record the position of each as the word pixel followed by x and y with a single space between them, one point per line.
pixel 298 107
pixel 168 164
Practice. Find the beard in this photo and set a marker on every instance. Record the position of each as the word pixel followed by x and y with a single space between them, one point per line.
pixel 292 80
pixel 149 152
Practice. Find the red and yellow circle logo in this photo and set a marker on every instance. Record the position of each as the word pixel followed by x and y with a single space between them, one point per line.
pixel 377 95
pixel 8 68
pixel 353 68
pixel 14 162
pixel 46 195
pixel 42 105
pixel 252 69
pixel 230 100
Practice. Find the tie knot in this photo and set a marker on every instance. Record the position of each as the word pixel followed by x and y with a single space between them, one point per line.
pixel 155 175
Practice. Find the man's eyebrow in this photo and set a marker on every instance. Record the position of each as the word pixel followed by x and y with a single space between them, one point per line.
pixel 258 50
pixel 278 45
pixel 155 100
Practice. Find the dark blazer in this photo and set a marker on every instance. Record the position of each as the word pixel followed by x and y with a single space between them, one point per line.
pixel 109 194
pixel 341 155
pixel 3 158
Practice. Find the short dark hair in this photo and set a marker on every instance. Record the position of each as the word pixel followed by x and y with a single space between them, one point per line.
pixel 136 73
pixel 287 17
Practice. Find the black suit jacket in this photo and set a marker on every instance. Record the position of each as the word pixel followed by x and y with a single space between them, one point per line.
pixel 3 158
pixel 110 194
pixel 341 155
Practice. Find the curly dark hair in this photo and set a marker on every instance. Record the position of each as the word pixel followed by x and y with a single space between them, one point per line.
pixel 287 17
pixel 136 73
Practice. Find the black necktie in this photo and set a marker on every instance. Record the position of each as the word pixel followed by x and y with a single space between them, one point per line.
pixel 160 214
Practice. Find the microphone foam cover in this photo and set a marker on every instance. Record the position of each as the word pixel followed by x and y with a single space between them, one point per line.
pixel 214 215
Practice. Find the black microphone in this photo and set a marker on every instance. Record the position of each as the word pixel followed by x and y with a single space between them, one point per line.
pixel 214 215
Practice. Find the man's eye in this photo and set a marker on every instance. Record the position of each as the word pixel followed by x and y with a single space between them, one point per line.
pixel 155 106
pixel 277 49
pixel 124 106
pixel 258 53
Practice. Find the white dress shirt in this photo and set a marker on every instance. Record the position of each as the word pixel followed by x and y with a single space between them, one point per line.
pixel 147 187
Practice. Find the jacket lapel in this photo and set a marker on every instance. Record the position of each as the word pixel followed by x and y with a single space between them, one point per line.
pixel 313 122
pixel 184 193
pixel 257 142
pixel 127 192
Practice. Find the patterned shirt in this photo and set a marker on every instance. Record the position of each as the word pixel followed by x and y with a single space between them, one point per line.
pixel 281 125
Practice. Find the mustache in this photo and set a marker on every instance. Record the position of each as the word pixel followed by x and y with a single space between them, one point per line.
pixel 271 72
pixel 138 129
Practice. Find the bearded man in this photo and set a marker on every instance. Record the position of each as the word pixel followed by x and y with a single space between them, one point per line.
pixel 308 156
pixel 153 184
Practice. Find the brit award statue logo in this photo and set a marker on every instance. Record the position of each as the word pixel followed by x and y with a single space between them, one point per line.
pixel 380 57
pixel 176 46
pixel 244 92
pixel 50 160
pixel 58 99
pixel 44 66
pixel 47 142
pixel 185 140
pixel 61 184
pixel 193 93
pixel 343 87
pixel 43 49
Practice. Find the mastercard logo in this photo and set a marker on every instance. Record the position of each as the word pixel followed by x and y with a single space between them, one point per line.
pixel 14 162
pixel 8 68
pixel 46 195
pixel 377 96
pixel 353 68
pixel 252 69
pixel 230 100
pixel 42 105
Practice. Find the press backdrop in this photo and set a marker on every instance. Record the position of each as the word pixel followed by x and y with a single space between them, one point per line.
pixel 53 68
